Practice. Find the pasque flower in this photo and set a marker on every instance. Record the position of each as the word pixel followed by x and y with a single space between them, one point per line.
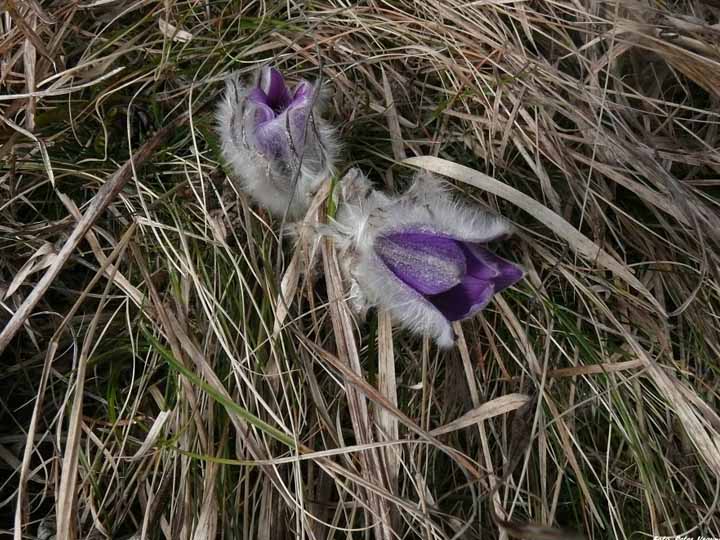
pixel 421 256
pixel 275 141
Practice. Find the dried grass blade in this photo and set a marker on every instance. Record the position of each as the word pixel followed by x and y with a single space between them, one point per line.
pixel 66 497
pixel 348 354
pixel 121 281
pixel 490 409
pixel 153 434
pixel 105 195
pixel 387 384
pixel 21 507
pixel 291 278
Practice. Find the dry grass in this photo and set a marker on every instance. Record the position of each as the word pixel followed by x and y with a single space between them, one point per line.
pixel 174 366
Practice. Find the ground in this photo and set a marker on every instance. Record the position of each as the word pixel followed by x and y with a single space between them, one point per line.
pixel 185 364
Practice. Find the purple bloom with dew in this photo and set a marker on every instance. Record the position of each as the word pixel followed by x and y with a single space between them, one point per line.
pixel 422 256
pixel 275 141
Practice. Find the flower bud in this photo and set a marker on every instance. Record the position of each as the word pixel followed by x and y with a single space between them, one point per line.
pixel 275 142
pixel 421 255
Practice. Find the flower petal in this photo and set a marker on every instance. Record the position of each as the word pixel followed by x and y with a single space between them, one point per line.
pixel 257 97
pixel 487 274
pixel 463 300
pixel 484 264
pixel 427 262
pixel 303 91
pixel 299 124
pixel 377 285
pixel 273 85
pixel 271 138
pixel 261 110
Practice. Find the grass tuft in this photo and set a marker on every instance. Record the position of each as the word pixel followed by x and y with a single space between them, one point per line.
pixel 176 366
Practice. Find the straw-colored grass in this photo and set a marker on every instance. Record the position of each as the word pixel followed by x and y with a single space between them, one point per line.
pixel 176 365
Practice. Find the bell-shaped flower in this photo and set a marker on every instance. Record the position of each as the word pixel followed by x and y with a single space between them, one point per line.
pixel 421 256
pixel 275 141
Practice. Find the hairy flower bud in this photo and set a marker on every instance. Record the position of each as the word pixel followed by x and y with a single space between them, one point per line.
pixel 421 255
pixel 275 141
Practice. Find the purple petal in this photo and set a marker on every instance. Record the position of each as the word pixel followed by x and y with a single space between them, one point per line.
pixel 279 121
pixel 463 300
pixel 299 124
pixel 484 264
pixel 303 91
pixel 487 274
pixel 263 112
pixel 284 135
pixel 271 138
pixel 273 85
pixel 280 133
pixel 258 97
pixel 426 262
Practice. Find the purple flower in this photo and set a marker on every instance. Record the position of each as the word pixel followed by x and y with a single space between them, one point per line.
pixel 421 256
pixel 275 141
pixel 458 278
pixel 280 117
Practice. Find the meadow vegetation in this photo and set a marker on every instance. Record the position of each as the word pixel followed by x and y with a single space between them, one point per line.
pixel 178 364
